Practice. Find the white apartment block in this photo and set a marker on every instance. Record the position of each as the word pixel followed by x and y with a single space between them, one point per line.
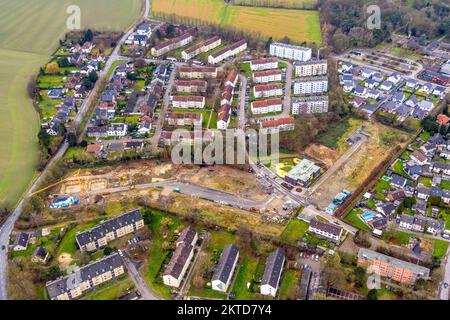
pixel 172 44
pixel 188 102
pixel 227 52
pixel 311 68
pixel 268 90
pixel 291 52
pixel 311 85
pixel 307 105
pixel 263 64
pixel 202 47
pixel 266 106
pixel 267 76
pixel 117 130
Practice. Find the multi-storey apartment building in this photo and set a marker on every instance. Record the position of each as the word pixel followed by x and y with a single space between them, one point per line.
pixel 198 72
pixel 272 273
pixel 280 124
pixel 266 76
pixel 311 85
pixel 225 268
pixel 190 86
pixel 311 68
pixel 227 52
pixel 172 44
pixel 266 106
pixel 289 51
pixel 224 116
pixel 392 268
pixel 201 47
pixel 184 119
pixel 85 278
pixel 181 258
pixel 325 230
pixel 109 230
pixel 312 104
pixel 263 64
pixel 189 102
pixel 268 90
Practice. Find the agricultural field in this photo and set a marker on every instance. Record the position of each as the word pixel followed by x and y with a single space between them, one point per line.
pixel 291 4
pixel 28 38
pixel 298 25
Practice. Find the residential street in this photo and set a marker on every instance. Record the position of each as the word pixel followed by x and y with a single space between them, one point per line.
pixel 241 111
pixel 138 281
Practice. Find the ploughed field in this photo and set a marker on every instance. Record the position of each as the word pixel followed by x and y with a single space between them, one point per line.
pixel 298 25
pixel 30 31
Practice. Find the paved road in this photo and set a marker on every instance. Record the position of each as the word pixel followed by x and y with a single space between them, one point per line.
pixel 8 226
pixel 287 105
pixel 138 281
pixel 444 293
pixel 341 161
pixel 241 111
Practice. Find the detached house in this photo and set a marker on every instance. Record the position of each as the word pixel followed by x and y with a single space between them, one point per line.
pixel 21 242
pixel 398 181
pixel 325 230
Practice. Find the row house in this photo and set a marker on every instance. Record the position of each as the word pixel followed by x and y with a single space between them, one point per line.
pixel 191 86
pixel 268 90
pixel 440 167
pixel 311 68
pixel 310 85
pixel 224 115
pixel 266 76
pixel 266 106
pixel 421 224
pixel 424 193
pixel 197 72
pixel 227 52
pixel 86 278
pixel 263 64
pixel 188 102
pixel 391 268
pixel 289 51
pixel 109 230
pixel 278 125
pixel 172 137
pixel 172 44
pixel 326 230
pixel 201 47
pixel 181 258
pixel 312 104
pixel 113 130
pixel 184 119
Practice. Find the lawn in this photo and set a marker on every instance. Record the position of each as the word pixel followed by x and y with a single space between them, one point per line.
pixel 440 248
pixel 337 133
pixel 68 243
pixel 445 184
pixel 30 33
pixel 248 270
pixel 47 81
pixel 399 168
pixel 354 220
pixel 425 181
pixel 111 290
pixel 294 231
pixel 289 279
pixel 157 255
pixel 396 237
pixel 381 186
pixel 298 25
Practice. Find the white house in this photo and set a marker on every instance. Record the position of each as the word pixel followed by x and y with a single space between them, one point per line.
pixel 272 273
pixel 325 230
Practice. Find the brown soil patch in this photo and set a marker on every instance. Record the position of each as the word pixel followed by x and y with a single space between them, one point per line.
pixel 322 153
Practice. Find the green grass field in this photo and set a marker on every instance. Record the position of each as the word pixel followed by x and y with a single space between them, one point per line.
pixel 298 25
pixel 29 34
pixel 294 231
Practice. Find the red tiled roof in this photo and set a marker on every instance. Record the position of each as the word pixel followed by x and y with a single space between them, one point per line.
pixel 278 122
pixel 266 103
pixel 266 87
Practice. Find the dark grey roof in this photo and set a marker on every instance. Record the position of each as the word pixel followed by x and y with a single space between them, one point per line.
pixel 187 235
pixel 108 226
pixel 326 227
pixel 40 252
pixel 65 284
pixel 22 239
pixel 224 267
pixel 179 259
pixel 274 268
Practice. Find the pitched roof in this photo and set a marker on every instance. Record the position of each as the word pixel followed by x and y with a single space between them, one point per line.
pixel 326 227
pixel 225 266
pixel 274 268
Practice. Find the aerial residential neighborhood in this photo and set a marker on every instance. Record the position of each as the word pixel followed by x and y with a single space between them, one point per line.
pixel 231 151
